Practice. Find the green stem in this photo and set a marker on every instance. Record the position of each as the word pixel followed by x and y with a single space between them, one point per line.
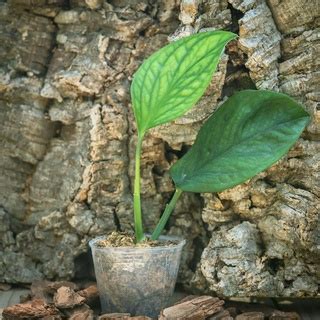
pixel 166 214
pixel 136 194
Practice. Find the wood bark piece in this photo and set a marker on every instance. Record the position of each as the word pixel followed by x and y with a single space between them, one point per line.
pixel 286 17
pixel 114 316
pixel 33 310
pixel 222 315
pixel 250 316
pixel 121 316
pixel 82 312
pixel 67 298
pixel 280 315
pixel 54 286
pixel 45 290
pixel 197 308
pixel 91 294
pixel 238 307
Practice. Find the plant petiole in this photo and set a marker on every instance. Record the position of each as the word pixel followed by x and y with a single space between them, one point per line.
pixel 166 214
pixel 138 226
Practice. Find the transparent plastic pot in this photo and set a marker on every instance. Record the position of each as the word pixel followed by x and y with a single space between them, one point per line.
pixel 139 281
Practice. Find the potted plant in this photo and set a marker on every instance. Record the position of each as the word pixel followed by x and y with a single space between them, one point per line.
pixel 247 134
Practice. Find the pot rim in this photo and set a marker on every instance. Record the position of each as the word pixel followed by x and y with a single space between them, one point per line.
pixel 179 245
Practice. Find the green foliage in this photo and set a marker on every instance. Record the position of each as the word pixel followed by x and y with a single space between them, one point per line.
pixel 174 78
pixel 246 135
pixel 249 132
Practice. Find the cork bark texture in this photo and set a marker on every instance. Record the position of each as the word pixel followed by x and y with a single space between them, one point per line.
pixel 68 136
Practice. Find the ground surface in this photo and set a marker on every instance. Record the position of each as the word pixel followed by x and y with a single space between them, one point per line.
pixel 308 309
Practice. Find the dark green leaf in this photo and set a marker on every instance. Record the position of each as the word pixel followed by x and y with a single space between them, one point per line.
pixel 246 135
pixel 174 78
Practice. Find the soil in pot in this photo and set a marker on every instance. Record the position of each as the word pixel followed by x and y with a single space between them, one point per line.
pixel 126 239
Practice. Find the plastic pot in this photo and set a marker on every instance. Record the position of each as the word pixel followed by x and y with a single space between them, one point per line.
pixel 139 281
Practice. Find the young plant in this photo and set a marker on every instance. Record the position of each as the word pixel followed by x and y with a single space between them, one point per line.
pixel 247 134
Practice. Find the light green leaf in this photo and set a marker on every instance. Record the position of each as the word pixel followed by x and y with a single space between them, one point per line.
pixel 246 135
pixel 174 78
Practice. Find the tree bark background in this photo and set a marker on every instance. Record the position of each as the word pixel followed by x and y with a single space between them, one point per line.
pixel 67 141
